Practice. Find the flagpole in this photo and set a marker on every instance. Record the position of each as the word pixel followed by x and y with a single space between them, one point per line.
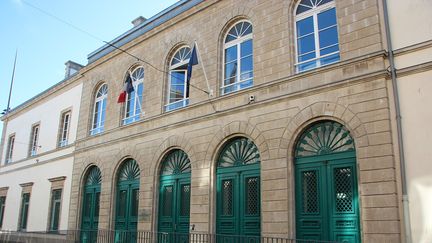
pixel 11 85
pixel 205 74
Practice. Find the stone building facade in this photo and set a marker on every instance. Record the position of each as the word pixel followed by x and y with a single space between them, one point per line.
pixel 354 92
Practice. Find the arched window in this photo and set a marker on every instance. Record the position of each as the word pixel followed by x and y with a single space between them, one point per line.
pixel 99 110
pixel 316 34
pixel 238 58
pixel 178 89
pixel 134 99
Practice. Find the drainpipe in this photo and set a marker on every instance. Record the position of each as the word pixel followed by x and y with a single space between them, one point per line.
pixel 405 202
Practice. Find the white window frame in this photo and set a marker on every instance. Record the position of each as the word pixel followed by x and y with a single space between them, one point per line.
pixel 64 128
pixel 237 43
pixel 173 68
pixel 314 13
pixel 100 121
pixel 10 148
pixel 135 83
pixel 34 140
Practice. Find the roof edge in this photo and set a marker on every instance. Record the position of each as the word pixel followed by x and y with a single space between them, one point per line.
pixel 137 31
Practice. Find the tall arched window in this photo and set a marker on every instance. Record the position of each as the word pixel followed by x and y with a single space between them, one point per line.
pixel 134 99
pixel 99 110
pixel 316 34
pixel 238 58
pixel 178 89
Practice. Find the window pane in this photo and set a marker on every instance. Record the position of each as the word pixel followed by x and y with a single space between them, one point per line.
pixel 139 99
pixel 328 50
pixel 135 200
pixel 227 197
pixel 306 44
pixel 102 121
pixel 330 59
pixel 96 209
pixel 246 84
pixel 130 104
pixel 87 205
pixel 230 70
pixel 245 76
pixel 307 66
pixel 328 37
pixel 304 27
pixel 305 57
pixel 167 200
pixel 246 48
pixel 326 18
pixel 230 54
pixel 96 114
pixel 121 207
pixel 246 64
pixel 56 216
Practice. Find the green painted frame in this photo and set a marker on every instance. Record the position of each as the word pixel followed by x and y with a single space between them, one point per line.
pixel 238 163
pixel 90 205
pixel 127 201
pixel 317 217
pixel 174 194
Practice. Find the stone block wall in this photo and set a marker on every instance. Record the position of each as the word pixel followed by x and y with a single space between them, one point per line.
pixel 353 92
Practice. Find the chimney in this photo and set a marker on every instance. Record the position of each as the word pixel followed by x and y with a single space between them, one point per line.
pixel 72 68
pixel 138 21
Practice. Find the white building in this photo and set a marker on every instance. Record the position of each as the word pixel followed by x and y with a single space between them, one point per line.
pixel 411 36
pixel 37 156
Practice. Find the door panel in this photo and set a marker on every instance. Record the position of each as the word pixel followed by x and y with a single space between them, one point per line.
pixel 250 223
pixel 238 203
pixel 90 214
pixel 174 205
pixel 327 200
pixel 310 200
pixel 344 214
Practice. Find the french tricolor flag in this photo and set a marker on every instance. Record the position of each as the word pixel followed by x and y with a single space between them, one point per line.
pixel 127 89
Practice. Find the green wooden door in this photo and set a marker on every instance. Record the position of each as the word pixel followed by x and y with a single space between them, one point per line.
pixel 90 206
pixel 326 185
pixel 174 196
pixel 238 210
pixel 127 201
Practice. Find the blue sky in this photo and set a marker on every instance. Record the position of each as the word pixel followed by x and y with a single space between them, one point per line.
pixel 45 44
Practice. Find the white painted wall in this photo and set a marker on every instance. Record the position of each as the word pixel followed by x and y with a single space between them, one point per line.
pixel 50 162
pixel 48 114
pixel 411 24
pixel 410 21
pixel 416 108
pixel 40 194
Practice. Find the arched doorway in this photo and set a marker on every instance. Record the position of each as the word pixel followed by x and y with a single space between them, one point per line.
pixel 90 205
pixel 326 184
pixel 127 200
pixel 174 194
pixel 238 189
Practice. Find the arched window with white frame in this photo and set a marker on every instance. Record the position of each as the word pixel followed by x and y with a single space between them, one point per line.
pixel 178 88
pixel 133 109
pixel 99 110
pixel 317 42
pixel 238 58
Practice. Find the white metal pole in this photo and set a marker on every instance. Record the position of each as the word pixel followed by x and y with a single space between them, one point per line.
pixel 205 74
